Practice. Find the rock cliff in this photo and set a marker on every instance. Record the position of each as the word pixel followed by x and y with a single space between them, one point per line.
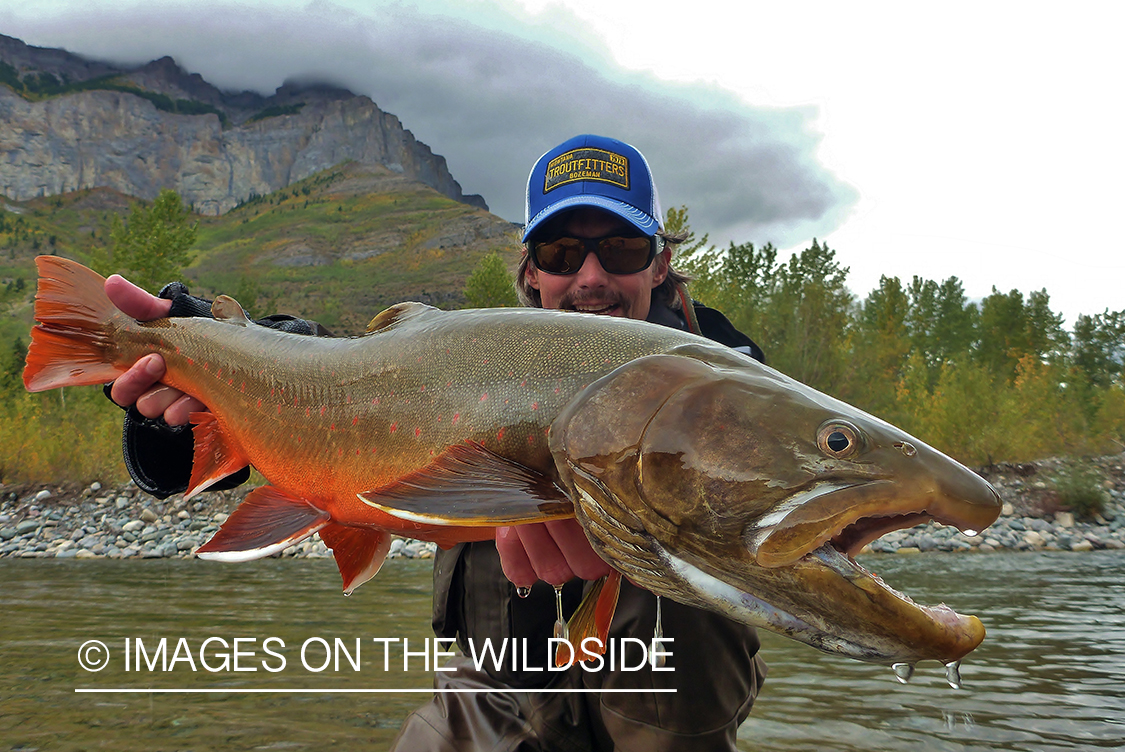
pixel 67 123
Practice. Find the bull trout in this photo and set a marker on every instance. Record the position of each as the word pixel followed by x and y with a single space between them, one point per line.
pixel 695 471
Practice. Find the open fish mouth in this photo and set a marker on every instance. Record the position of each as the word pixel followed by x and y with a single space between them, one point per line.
pixel 805 582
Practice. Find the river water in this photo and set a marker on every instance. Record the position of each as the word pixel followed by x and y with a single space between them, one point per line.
pixel 1050 676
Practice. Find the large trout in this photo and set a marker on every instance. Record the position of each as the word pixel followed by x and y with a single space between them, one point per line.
pixel 699 473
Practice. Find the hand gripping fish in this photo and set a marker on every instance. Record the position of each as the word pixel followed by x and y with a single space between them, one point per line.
pixel 698 473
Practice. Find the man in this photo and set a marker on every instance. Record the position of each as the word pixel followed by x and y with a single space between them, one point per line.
pixel 594 243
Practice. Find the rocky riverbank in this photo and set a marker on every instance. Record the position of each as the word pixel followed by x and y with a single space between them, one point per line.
pixel 121 522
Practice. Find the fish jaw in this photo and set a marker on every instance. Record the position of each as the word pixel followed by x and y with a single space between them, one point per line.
pixel 825 599
pixel 862 618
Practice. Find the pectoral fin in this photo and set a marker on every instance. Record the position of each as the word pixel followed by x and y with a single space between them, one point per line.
pixel 470 486
pixel 592 619
pixel 359 552
pixel 268 521
pixel 215 457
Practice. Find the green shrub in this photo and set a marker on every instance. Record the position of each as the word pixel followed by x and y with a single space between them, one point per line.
pixel 1081 490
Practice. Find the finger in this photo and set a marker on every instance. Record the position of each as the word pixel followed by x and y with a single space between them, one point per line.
pixel 576 549
pixel 513 559
pixel 180 410
pixel 135 301
pixel 154 402
pixel 544 554
pixel 129 387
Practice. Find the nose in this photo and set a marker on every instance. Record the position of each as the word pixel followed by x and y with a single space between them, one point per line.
pixel 591 273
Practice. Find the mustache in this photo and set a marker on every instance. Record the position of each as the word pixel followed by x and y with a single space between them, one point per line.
pixel 580 298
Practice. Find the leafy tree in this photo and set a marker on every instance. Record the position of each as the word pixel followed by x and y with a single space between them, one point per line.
pixel 1098 348
pixel 806 324
pixel 1011 329
pixel 882 345
pixel 151 247
pixel 491 285
pixel 942 324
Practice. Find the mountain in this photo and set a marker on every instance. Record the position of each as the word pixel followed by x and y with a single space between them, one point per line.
pixel 68 123
pixel 336 247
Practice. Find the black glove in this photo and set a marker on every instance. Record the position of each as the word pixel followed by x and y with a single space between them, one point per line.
pixel 159 456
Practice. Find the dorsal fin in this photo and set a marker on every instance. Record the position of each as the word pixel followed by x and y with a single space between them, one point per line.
pixel 226 308
pixel 396 313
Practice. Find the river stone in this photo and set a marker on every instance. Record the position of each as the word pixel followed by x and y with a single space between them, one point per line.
pixel 8 533
pixel 1064 519
pixel 1007 510
pixel 147 515
pixel 132 526
pixel 122 502
pixel 1083 545
pixel 42 495
pixel 26 526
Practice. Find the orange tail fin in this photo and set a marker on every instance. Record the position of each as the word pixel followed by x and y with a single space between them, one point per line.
pixel 73 343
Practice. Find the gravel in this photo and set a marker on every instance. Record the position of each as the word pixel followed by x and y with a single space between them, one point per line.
pixel 122 522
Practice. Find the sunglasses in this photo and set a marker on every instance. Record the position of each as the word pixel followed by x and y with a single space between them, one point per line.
pixel 617 254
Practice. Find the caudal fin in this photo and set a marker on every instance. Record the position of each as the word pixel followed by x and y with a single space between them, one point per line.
pixel 72 344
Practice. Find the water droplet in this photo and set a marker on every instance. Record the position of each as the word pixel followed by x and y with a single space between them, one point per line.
pixel 970 533
pixel 347 593
pixel 561 631
pixel 658 658
pixel 523 592
pixel 903 671
pixel 953 674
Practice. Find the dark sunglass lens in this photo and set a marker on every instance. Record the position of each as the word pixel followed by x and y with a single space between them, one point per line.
pixel 562 256
pixel 625 255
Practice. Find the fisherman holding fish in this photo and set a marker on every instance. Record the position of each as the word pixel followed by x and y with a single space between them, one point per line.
pixel 696 471
pixel 594 242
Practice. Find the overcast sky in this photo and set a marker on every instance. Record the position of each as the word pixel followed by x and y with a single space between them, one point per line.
pixel 977 140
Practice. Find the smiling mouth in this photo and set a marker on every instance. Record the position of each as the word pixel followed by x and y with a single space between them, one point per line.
pixel 597 309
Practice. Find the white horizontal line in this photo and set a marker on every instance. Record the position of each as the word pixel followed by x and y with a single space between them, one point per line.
pixel 135 690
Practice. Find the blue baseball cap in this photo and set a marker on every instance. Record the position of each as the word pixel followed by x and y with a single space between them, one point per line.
pixel 593 171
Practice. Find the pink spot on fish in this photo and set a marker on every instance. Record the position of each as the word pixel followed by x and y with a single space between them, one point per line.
pixel 355 420
pixel 456 417
pixel 417 432
pixel 394 427
pixel 484 396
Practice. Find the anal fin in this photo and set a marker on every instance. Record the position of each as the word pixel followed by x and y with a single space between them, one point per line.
pixel 359 551
pixel 215 457
pixel 470 486
pixel 268 521
pixel 592 619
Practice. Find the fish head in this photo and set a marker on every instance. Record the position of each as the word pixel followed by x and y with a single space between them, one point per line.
pixel 718 482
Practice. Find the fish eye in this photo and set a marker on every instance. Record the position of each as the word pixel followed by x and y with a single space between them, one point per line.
pixel 838 440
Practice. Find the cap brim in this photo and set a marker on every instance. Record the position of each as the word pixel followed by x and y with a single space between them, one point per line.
pixel 631 214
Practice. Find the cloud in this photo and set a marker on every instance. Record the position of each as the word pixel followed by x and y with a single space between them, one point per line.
pixel 492 100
